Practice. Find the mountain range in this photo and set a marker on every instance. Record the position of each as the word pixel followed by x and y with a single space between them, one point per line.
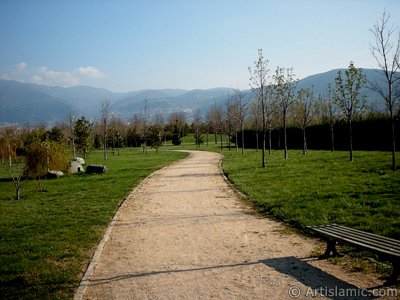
pixel 27 103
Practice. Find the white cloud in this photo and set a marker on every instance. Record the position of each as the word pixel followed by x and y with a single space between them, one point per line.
pixel 90 72
pixel 43 75
pixel 58 78
pixel 36 79
pixel 21 67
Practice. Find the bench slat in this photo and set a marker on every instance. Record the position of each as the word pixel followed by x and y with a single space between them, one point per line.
pixel 395 243
pixel 342 229
pixel 373 238
pixel 360 238
pixel 364 243
pixel 364 238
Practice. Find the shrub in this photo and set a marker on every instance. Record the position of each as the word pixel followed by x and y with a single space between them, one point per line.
pixel 43 156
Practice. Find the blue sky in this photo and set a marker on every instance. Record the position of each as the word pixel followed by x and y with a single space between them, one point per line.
pixel 132 45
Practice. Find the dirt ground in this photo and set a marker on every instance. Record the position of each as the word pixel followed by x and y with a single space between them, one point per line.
pixel 185 234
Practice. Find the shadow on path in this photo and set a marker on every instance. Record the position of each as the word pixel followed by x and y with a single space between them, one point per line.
pixel 317 281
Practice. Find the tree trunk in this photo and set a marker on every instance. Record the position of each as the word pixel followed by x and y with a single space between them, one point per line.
pixel 304 142
pixel 73 148
pixel 350 139
pixel 264 136
pixel 17 191
pixel 105 148
pixel 236 141
pixel 145 147
pixel 270 141
pixel 332 139
pixel 242 138
pixel 394 167
pixel 256 140
pixel 9 156
pixel 285 136
pixel 279 139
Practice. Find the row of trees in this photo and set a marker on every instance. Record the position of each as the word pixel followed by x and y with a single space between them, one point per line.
pixel 33 152
pixel 276 94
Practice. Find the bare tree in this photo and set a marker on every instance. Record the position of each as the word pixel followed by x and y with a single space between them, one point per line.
pixel 230 117
pixel 144 121
pixel 255 119
pixel 304 112
pixel 116 132
pixel 105 115
pixel 329 112
pixel 215 119
pixel 258 83
pixel 82 132
pixel 16 172
pixel 134 131
pixel 241 114
pixel 219 118
pixel 71 133
pixel 8 143
pixel 197 127
pixel 347 97
pixel 285 84
pixel 386 51
pixel 158 118
pixel 178 119
pixel 159 126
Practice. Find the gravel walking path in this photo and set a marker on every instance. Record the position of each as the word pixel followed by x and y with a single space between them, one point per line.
pixel 184 234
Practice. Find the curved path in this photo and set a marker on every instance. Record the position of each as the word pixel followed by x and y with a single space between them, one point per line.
pixel 184 234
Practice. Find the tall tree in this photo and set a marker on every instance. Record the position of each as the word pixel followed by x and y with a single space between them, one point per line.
pixel 386 51
pixel 178 119
pixel 198 138
pixel 304 111
pixel 145 119
pixel 348 99
pixel 215 120
pixel 8 143
pixel 116 133
pixel 71 133
pixel 230 117
pixel 159 125
pixel 284 86
pixel 241 114
pixel 258 83
pixel 255 118
pixel 134 137
pixel 105 115
pixel 329 112
pixel 82 131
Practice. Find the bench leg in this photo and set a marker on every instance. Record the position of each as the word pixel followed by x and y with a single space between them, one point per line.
pixel 394 275
pixel 330 248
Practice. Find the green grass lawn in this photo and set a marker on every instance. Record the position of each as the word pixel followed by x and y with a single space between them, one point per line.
pixel 321 187
pixel 47 238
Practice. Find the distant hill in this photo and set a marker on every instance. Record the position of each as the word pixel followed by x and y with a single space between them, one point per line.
pixel 167 101
pixel 319 83
pixel 24 103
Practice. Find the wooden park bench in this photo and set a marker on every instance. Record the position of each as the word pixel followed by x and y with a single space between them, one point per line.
pixel 386 248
